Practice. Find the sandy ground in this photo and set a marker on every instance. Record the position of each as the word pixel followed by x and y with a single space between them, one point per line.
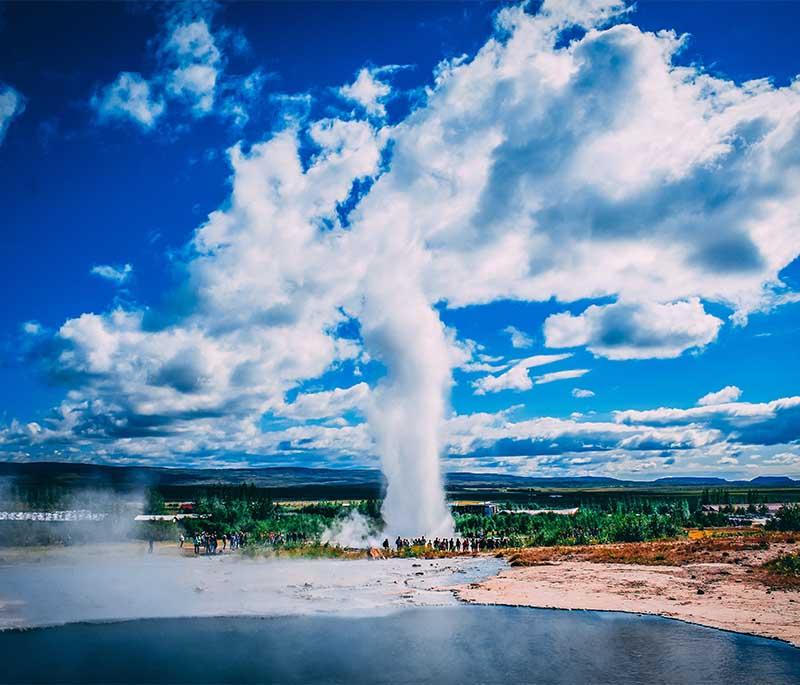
pixel 728 592
pixel 51 586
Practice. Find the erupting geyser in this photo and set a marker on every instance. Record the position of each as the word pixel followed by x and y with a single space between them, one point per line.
pixel 408 410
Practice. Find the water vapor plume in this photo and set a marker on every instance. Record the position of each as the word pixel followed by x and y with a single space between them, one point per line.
pixel 407 414
pixel 354 531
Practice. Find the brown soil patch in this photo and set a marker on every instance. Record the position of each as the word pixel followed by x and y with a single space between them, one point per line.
pixel 724 549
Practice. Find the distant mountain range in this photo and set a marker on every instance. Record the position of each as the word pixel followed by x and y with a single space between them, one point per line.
pixel 321 479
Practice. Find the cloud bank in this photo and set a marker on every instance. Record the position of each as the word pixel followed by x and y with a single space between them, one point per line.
pixel 571 159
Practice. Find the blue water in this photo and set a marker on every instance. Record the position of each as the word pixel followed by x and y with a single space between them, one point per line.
pixel 462 644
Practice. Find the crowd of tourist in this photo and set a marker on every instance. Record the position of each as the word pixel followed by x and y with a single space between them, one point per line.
pixel 213 543
pixel 459 545
pixel 208 543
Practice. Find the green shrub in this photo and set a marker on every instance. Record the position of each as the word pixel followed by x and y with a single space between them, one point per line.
pixel 786 518
pixel 787 565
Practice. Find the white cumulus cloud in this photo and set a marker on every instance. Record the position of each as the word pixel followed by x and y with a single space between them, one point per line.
pixel 519 339
pixel 730 393
pixel 327 403
pixel 635 330
pixel 12 104
pixel 517 377
pixel 128 97
pixel 195 61
pixel 368 91
pixel 32 328
pixel 190 75
pixel 115 274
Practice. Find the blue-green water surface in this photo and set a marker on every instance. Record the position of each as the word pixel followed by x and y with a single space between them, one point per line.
pixel 462 644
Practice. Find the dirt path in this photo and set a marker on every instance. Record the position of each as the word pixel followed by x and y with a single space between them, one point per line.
pixel 689 581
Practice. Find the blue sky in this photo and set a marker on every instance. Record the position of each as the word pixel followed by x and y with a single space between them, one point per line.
pixel 246 233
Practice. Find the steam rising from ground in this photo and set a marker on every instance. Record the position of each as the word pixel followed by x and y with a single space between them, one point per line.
pixel 120 582
pixel 88 515
pixel 353 531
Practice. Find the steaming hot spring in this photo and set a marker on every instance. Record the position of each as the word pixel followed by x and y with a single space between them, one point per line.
pixel 136 618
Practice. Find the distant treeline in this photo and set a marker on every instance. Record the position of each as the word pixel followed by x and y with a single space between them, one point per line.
pixel 48 496
pixel 627 519
pixel 604 516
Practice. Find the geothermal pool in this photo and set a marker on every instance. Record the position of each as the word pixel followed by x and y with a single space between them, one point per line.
pixel 117 615
pixel 456 644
